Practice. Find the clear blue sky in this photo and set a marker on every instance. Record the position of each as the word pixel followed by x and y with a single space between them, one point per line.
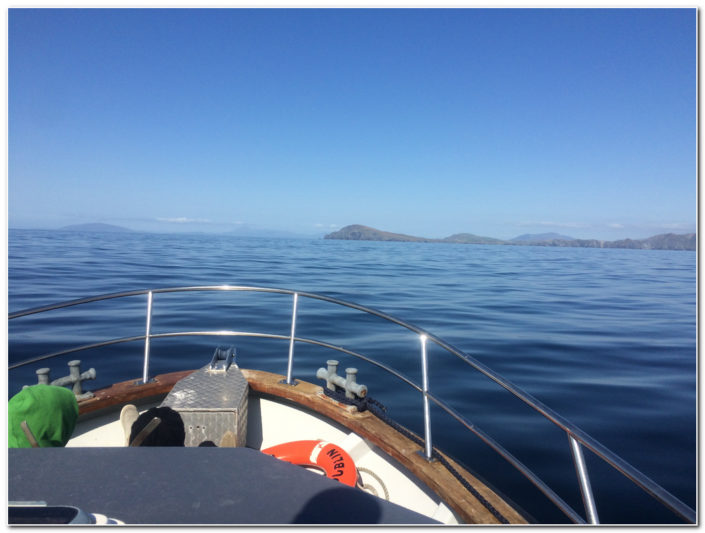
pixel 427 122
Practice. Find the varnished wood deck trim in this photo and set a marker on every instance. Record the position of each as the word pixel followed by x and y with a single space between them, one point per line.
pixel 130 392
pixel 365 424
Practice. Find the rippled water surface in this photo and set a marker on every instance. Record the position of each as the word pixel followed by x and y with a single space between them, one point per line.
pixel 607 338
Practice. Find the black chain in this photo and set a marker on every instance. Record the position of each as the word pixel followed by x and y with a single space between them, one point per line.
pixel 379 410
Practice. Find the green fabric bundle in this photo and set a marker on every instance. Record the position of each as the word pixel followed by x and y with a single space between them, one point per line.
pixel 51 413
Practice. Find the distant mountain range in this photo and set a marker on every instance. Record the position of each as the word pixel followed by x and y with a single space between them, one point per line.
pixel 357 232
pixel 668 241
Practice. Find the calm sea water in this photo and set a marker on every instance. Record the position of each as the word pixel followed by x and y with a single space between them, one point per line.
pixel 607 338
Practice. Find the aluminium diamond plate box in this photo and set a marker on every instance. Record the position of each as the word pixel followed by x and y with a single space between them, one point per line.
pixel 211 403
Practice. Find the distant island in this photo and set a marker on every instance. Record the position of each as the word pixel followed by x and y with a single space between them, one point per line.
pixel 96 227
pixel 667 241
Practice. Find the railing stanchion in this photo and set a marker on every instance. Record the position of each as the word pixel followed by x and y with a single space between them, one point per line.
pixel 147 335
pixel 584 479
pixel 290 364
pixel 426 407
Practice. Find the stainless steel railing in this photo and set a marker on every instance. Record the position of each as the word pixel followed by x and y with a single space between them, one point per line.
pixel 577 438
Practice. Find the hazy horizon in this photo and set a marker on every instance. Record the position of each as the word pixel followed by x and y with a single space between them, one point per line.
pixel 254 232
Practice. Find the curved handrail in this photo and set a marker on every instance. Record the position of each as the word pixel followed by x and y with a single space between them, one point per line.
pixel 573 432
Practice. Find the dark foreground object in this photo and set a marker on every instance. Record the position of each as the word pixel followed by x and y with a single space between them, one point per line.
pixel 192 486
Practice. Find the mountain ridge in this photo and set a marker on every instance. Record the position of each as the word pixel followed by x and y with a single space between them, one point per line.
pixel 665 241
pixel 358 232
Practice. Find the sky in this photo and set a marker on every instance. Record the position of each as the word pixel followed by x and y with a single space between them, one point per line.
pixel 429 122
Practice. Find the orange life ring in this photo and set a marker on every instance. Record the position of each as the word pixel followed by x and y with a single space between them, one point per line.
pixel 335 462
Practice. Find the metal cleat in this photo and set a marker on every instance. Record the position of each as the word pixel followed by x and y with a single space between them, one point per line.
pixel 349 382
pixel 74 378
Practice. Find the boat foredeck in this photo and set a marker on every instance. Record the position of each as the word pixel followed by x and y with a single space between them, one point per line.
pixel 406 452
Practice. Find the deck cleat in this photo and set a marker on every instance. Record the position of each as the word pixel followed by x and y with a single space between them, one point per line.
pixel 348 383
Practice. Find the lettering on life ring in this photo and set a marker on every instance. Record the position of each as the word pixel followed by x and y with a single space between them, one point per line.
pixel 331 458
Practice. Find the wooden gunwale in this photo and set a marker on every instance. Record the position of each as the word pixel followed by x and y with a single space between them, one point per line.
pixel 365 424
